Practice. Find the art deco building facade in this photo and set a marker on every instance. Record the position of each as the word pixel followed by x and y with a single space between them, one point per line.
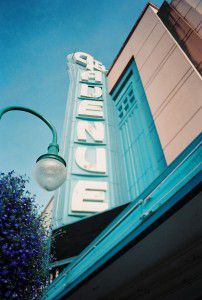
pixel 127 223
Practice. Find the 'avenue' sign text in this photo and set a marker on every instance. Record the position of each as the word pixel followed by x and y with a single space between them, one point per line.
pixel 90 195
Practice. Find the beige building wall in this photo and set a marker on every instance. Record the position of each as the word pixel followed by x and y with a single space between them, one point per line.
pixel 172 84
pixel 47 213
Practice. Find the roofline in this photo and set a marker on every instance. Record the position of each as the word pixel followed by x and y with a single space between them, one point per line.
pixel 131 32
pixel 73 275
pixel 186 198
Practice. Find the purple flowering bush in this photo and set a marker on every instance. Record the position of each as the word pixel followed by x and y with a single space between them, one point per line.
pixel 23 241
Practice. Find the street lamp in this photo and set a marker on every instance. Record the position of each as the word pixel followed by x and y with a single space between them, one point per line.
pixel 50 169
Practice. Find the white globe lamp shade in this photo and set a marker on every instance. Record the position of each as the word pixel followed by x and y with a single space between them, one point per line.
pixel 50 173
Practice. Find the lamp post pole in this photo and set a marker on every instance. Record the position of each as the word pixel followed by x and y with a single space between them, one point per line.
pixel 50 171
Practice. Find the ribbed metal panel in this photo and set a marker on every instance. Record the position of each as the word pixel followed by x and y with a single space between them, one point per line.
pixel 141 150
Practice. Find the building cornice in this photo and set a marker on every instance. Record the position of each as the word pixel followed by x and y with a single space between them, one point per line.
pixel 131 32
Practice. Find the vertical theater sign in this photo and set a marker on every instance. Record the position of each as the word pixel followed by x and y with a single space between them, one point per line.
pixel 88 195
pixel 86 144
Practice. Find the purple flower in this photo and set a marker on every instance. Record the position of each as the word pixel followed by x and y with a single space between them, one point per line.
pixel 23 241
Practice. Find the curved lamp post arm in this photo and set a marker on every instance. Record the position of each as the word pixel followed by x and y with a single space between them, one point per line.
pixel 50 169
pixel 53 147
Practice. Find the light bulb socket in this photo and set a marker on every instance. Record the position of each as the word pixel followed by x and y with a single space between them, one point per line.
pixel 53 148
pixel 53 156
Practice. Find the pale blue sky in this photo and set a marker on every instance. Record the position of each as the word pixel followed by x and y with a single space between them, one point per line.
pixel 35 37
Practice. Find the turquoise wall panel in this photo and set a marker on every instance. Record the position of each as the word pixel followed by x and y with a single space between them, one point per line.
pixel 140 147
